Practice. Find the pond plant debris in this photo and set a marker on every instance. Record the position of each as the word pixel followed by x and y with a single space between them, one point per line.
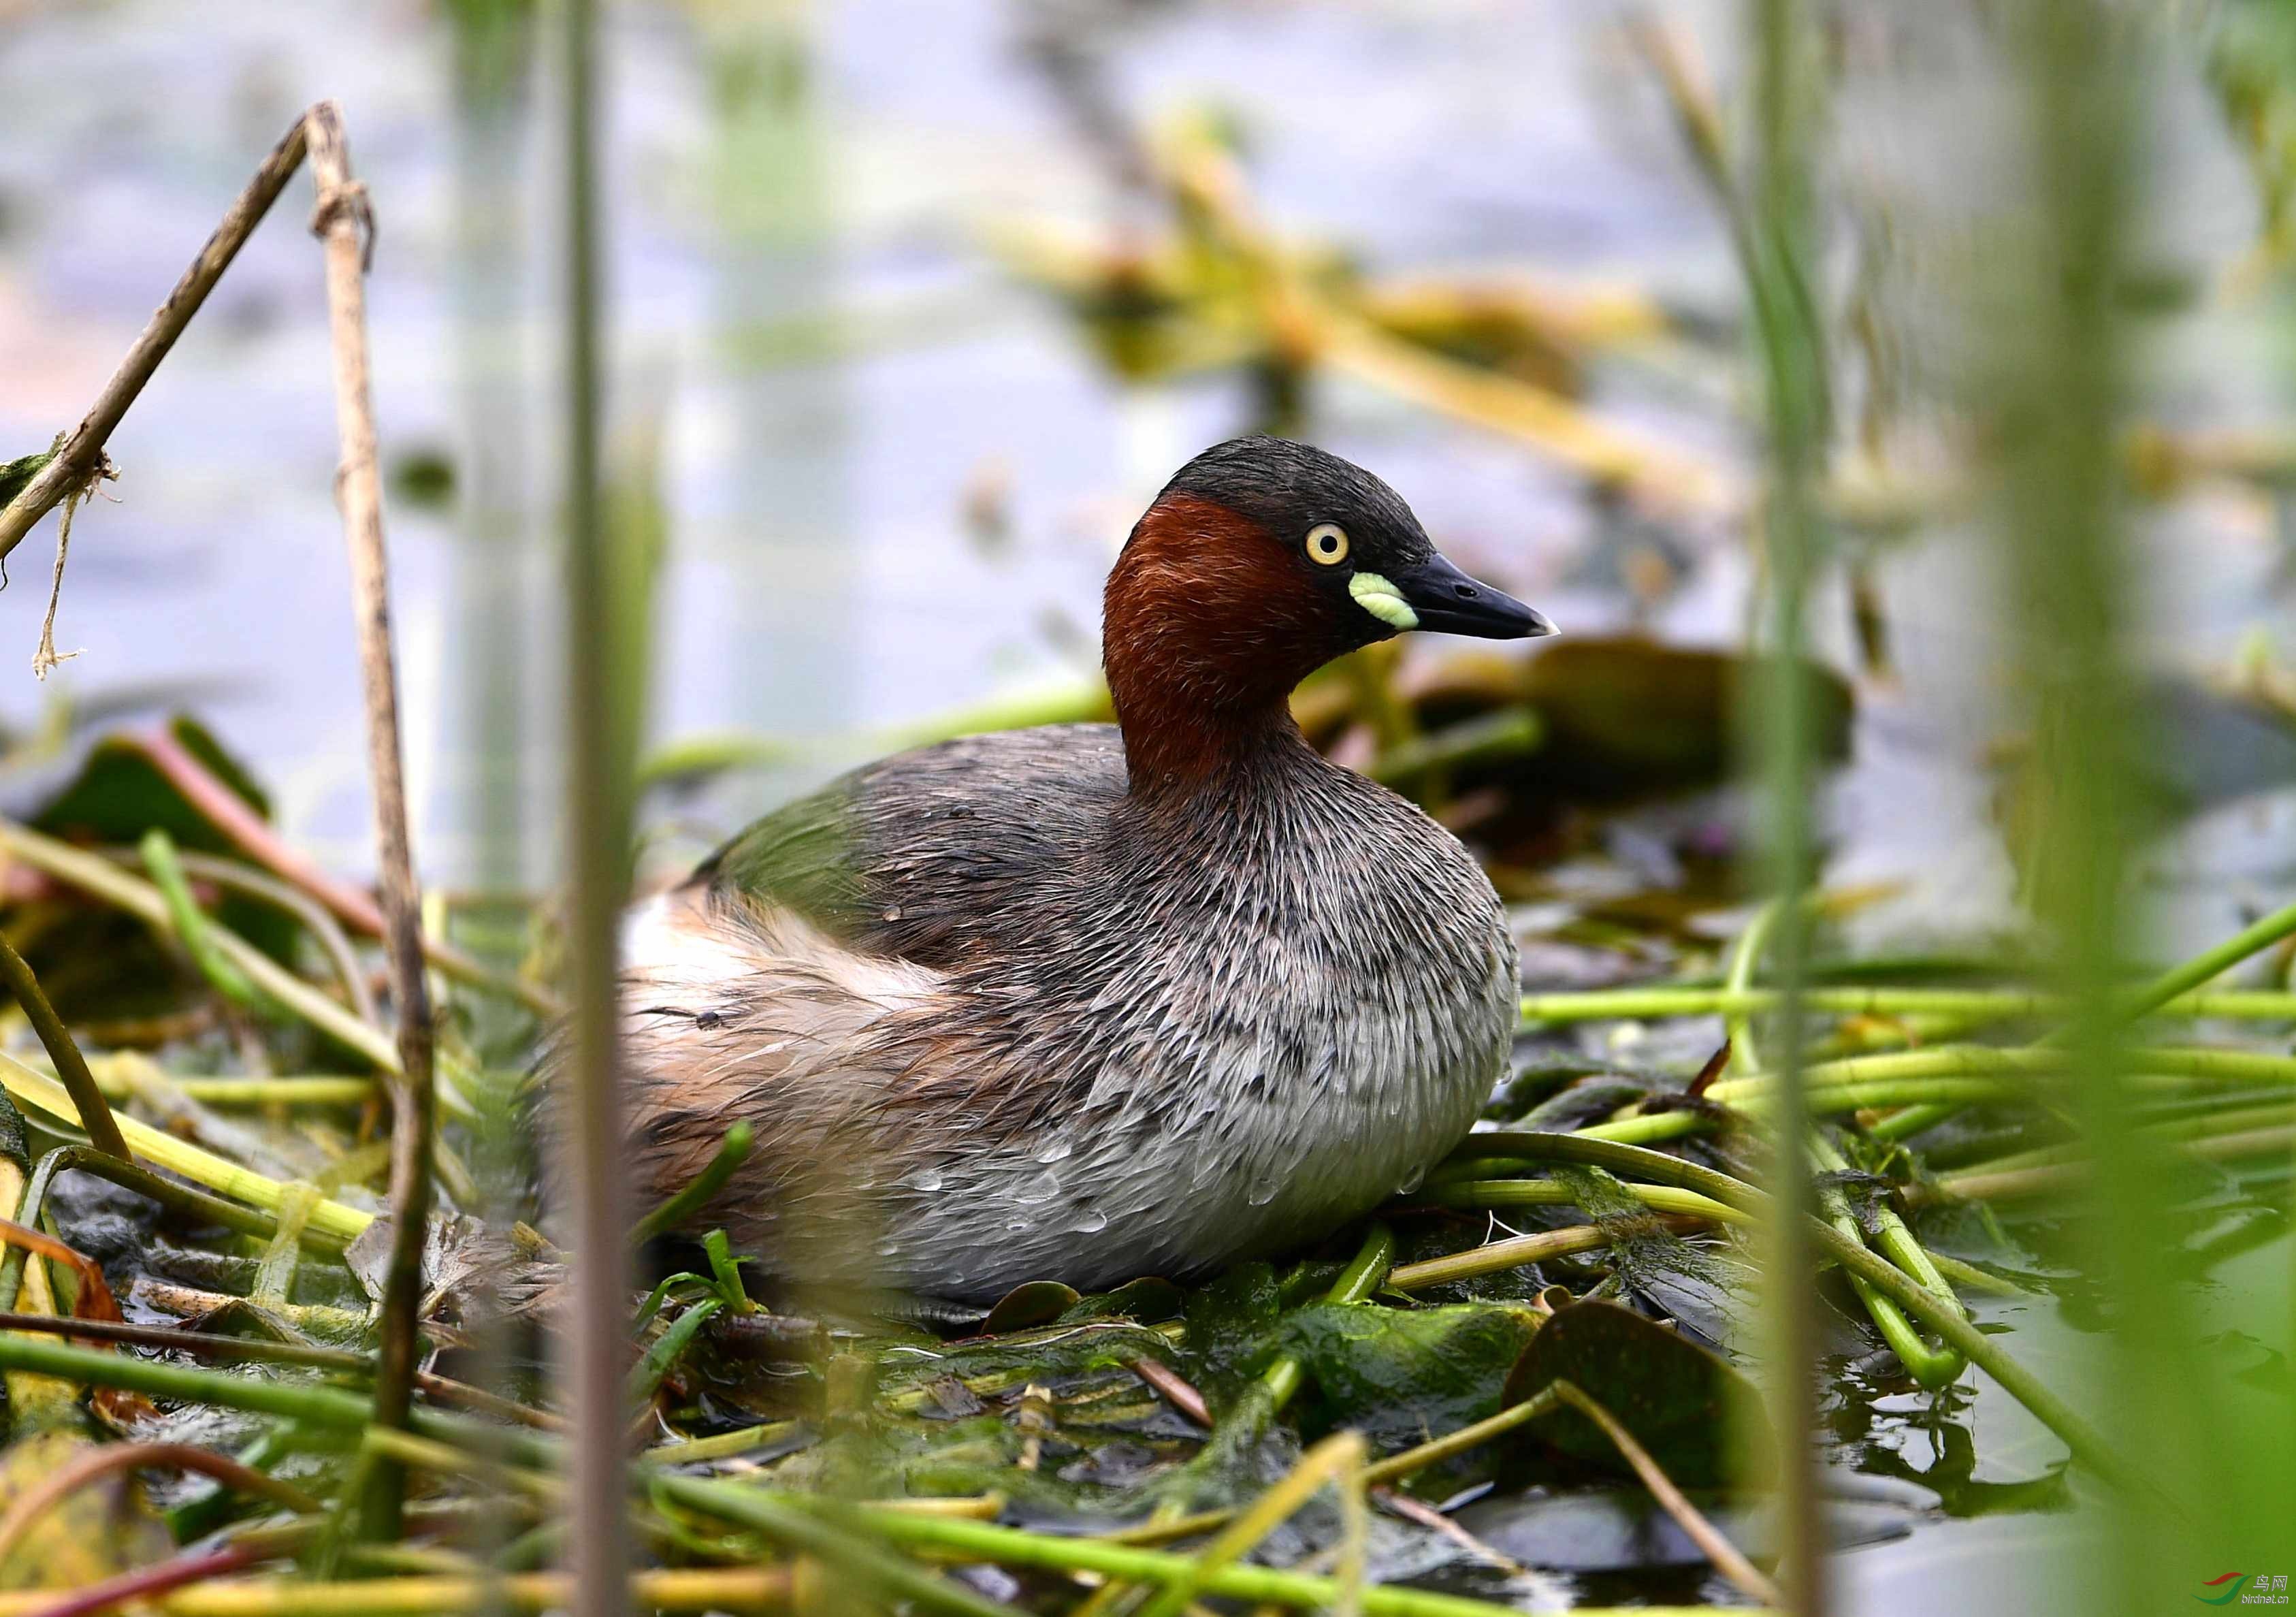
pixel 358 1372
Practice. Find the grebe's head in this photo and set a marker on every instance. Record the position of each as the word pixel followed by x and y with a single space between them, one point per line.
pixel 1261 561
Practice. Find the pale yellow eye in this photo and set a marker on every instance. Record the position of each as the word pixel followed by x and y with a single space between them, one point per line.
pixel 1327 543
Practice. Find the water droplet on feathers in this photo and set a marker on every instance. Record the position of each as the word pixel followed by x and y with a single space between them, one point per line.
pixel 1039 1190
pixel 1091 1221
pixel 1054 1152
pixel 925 1178
pixel 1262 1193
pixel 1412 1180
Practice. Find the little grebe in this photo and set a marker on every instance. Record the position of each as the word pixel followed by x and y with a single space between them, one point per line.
pixel 1089 1002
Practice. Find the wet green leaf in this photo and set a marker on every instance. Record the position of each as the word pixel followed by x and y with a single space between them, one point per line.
pixel 1228 1325
pixel 1400 1375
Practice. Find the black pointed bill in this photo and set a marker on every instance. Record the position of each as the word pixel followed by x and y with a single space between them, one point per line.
pixel 1444 600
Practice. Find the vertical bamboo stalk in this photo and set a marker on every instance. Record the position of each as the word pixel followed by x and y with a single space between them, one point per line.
pixel 2058 402
pixel 1793 366
pixel 342 222
pixel 597 824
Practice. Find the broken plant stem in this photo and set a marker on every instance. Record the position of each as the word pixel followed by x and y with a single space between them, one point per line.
pixel 1935 1369
pixel 343 222
pixel 73 465
pixel 1329 1461
pixel 1720 1550
pixel 46 658
pixel 71 1067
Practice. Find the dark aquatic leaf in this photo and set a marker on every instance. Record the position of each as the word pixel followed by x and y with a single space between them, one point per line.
pixel 1601 1530
pixel 1031 1303
pixel 1629 715
pixel 1150 1299
pixel 1681 1402
pixel 1397 1375
pixel 118 793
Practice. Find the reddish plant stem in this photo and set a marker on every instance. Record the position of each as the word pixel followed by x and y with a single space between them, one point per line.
pixel 147 1581
pixel 1175 1389
pixel 252 834
pixel 98 1462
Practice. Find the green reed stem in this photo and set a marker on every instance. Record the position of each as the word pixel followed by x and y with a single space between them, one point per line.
pixel 1738 978
pixel 2207 964
pixel 1553 1192
pixel 961 1539
pixel 1365 1274
pixel 1992 1004
pixel 733 1150
pixel 1933 1369
pixel 190 923
pixel 1942 1314
pixel 845 1542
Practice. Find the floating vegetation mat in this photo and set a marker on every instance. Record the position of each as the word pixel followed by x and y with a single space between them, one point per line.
pixel 1520 1384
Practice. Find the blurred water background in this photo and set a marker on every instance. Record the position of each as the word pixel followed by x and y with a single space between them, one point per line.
pixel 820 367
